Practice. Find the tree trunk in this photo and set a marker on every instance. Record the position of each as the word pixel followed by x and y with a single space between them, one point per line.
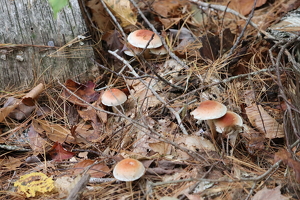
pixel 34 46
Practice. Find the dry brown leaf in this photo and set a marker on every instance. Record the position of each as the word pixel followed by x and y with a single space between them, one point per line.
pixel 100 16
pixel 4 112
pixel 161 147
pixel 12 163
pixel 87 132
pixel 287 159
pixel 58 153
pixel 245 6
pixel 36 142
pixel 84 91
pixel 261 120
pixel 20 111
pixel 142 94
pixel 28 99
pixel 194 143
pixel 122 9
pixel 24 111
pixel 97 171
pixel 269 194
pixel 54 132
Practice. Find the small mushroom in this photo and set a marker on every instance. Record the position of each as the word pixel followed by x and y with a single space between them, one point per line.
pixel 209 110
pixel 129 170
pixel 113 97
pixel 230 119
pixel 140 39
pixel 159 51
pixel 230 124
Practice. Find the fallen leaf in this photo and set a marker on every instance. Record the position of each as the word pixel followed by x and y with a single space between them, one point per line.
pixel 211 44
pixel 58 153
pixel 287 159
pixel 33 183
pixel 122 9
pixel 64 185
pixel 142 95
pixel 161 147
pixel 36 142
pixel 245 6
pixel 256 140
pixel 20 111
pixel 87 132
pixel 12 163
pixel 261 120
pixel 54 132
pixel 97 171
pixel 100 16
pixel 29 98
pixel 269 194
pixel 85 92
pixel 112 39
pixel 4 112
pixel 194 143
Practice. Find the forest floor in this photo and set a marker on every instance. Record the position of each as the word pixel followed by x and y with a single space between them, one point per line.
pixel 60 141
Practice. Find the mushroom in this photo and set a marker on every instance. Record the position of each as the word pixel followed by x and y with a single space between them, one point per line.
pixel 139 40
pixel 113 97
pixel 159 51
pixel 230 119
pixel 209 110
pixel 129 170
pixel 229 124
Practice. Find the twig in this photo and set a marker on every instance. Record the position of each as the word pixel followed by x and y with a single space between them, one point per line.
pixel 162 39
pixel 153 91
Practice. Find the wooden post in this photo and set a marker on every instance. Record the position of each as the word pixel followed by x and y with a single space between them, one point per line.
pixel 30 39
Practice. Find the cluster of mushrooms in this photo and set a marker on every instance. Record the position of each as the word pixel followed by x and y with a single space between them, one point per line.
pixel 138 42
pixel 217 116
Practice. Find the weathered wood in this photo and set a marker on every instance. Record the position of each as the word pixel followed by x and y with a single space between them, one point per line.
pixel 28 32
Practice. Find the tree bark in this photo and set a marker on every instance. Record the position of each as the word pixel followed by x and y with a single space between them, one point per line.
pixel 33 44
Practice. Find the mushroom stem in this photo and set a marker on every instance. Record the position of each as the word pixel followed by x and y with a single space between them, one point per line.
pixel 129 185
pixel 213 131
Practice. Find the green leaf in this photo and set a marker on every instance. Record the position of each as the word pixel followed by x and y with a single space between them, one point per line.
pixel 57 5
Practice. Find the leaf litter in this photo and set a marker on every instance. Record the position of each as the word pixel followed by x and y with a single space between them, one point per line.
pixel 67 132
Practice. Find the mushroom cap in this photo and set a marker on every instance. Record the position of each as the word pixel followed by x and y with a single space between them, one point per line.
pixel 140 38
pixel 113 97
pixel 159 51
pixel 129 169
pixel 209 110
pixel 229 119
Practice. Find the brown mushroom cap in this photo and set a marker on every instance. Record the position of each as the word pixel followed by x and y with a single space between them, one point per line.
pixel 209 110
pixel 140 39
pixel 229 119
pixel 113 97
pixel 129 169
